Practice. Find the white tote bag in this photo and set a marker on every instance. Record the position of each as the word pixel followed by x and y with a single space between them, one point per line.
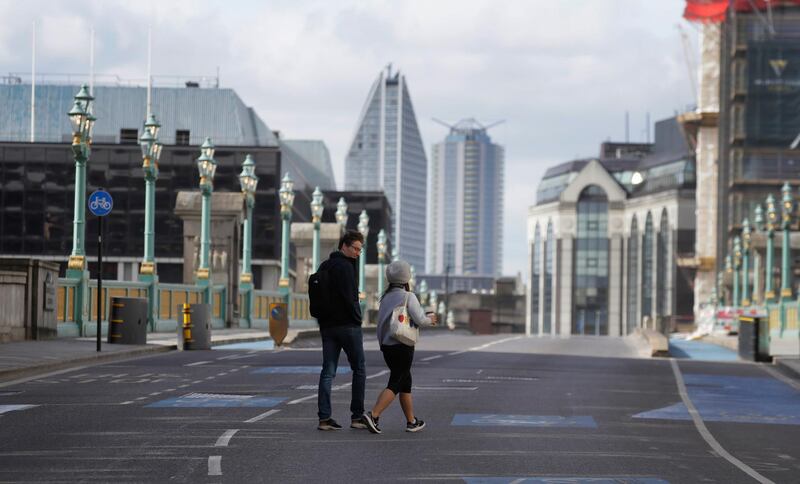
pixel 400 327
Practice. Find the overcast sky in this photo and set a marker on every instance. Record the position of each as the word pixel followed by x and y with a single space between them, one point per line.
pixel 561 73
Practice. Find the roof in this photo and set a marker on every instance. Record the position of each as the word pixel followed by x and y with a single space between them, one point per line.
pixel 216 113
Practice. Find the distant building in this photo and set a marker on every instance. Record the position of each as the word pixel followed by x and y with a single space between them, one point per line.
pixel 309 163
pixel 604 237
pixel 387 154
pixel 466 203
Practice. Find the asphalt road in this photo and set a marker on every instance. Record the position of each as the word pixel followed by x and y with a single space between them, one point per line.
pixel 498 409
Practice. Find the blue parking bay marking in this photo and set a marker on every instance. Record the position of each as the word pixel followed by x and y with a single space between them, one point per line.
pixel 739 399
pixel 266 344
pixel 211 400
pixel 564 480
pixel 296 370
pixel 495 420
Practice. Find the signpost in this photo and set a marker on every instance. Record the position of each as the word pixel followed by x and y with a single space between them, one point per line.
pixel 100 204
pixel 278 322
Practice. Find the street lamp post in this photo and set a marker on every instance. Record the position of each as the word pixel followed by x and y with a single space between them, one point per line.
pixel 759 225
pixel 248 181
pixel 207 168
pixel 151 153
pixel 286 195
pixel 728 270
pixel 737 265
pixel 363 227
pixel 771 225
pixel 316 219
pixel 82 124
pixel 341 214
pixel 786 224
pixel 381 260
pixel 745 262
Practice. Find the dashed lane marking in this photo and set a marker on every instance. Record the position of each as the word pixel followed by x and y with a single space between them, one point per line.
pixel 127 403
pixel 431 358
pixel 215 465
pixel 12 408
pixel 337 387
pixel 262 416
pixel 225 438
pixel 197 363
pixel 484 346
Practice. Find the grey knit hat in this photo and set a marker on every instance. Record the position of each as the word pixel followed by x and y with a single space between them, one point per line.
pixel 398 272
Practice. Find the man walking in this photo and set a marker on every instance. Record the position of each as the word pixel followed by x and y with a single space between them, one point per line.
pixel 340 329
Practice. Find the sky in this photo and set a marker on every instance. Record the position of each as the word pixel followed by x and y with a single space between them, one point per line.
pixel 561 74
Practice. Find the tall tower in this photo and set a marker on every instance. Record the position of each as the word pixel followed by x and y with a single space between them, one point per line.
pixel 466 206
pixel 387 154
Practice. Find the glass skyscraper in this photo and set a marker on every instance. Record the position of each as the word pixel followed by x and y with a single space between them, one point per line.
pixel 387 154
pixel 466 206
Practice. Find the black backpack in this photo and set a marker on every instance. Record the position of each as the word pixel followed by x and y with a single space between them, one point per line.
pixel 320 293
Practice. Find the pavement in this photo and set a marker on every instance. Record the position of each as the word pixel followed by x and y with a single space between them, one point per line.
pixel 22 358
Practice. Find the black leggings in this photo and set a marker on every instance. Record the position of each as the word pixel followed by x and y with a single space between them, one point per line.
pixel 398 358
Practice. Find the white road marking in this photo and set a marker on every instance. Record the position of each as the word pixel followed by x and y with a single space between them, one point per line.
pixel 301 399
pixel 222 374
pixel 141 398
pixel 262 416
pixel 184 386
pixel 154 394
pixel 780 376
pixel 210 377
pixel 703 430
pixel 431 358
pixel 225 438
pixel 37 377
pixel 483 346
pixel 197 363
pixel 337 387
pixel 90 380
pixel 197 381
pixel 127 403
pixel 215 465
pixel 11 408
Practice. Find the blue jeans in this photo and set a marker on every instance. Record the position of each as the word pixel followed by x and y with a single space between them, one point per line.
pixel 334 340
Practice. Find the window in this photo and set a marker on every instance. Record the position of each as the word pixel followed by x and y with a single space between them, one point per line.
pixel 535 274
pixel 590 287
pixel 128 136
pixel 647 267
pixel 663 269
pixel 549 259
pixel 633 280
pixel 182 137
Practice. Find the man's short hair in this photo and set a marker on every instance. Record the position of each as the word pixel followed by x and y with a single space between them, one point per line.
pixel 349 237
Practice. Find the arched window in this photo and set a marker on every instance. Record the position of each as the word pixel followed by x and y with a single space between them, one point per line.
pixel 633 280
pixel 662 304
pixel 647 267
pixel 536 269
pixel 590 287
pixel 549 258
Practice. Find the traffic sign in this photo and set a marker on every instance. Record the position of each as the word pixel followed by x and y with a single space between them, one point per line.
pixel 100 203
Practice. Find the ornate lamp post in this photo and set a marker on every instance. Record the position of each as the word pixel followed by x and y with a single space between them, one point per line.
pixel 759 226
pixel 248 181
pixel 772 223
pixel 413 281
pixel 381 260
pixel 82 124
pixel 786 222
pixel 151 153
pixel 737 265
pixel 395 254
pixel 207 168
pixel 341 214
pixel 363 227
pixel 286 195
pixel 745 262
pixel 423 292
pixel 729 269
pixel 316 219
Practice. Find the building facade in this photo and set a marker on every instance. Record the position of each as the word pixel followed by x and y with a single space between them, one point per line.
pixel 387 154
pixel 604 237
pixel 465 217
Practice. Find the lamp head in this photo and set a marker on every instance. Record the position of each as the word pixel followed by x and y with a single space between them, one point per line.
pixel 341 212
pixel 247 178
pixel 286 193
pixel 152 125
pixel 207 148
pixel 363 223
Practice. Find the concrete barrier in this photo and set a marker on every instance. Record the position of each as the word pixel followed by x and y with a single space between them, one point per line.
pixel 659 344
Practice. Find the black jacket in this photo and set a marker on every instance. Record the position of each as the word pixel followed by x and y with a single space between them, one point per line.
pixel 344 279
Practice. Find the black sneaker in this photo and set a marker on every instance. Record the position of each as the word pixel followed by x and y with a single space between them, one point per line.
pixel 329 424
pixel 415 426
pixel 358 423
pixel 372 422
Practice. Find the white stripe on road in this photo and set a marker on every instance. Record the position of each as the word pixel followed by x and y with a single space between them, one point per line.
pixel 262 416
pixel 225 438
pixel 703 430
pixel 215 465
pixel 197 363
pixel 431 358
pixel 37 377
pixel 337 387
pixel 780 376
pixel 476 348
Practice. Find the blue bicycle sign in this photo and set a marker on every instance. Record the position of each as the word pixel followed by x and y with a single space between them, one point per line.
pixel 100 203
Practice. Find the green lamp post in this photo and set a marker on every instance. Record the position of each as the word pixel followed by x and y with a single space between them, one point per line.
pixel 286 195
pixel 771 225
pixel 316 219
pixel 341 214
pixel 728 270
pixel 746 262
pixel 787 219
pixel 363 227
pixel 381 260
pixel 207 168
pixel 151 153
pixel 82 125
pixel 759 226
pixel 423 292
pixel 248 182
pixel 737 266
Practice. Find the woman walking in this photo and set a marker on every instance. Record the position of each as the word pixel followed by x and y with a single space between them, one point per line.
pixel 397 355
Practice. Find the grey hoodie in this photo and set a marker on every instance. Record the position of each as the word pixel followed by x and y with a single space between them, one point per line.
pixel 395 297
